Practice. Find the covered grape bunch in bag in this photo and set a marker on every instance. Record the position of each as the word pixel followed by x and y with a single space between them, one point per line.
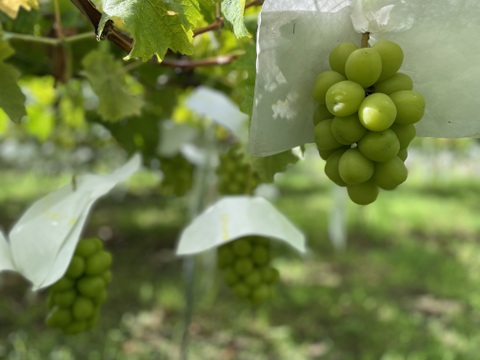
pixel 365 118
pixel 75 299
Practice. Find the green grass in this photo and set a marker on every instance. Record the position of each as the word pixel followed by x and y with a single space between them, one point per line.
pixel 406 287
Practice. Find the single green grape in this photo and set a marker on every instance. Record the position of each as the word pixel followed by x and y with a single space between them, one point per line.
pixel 339 55
pixel 410 106
pixel 348 129
pixel 391 55
pixel 364 66
pixel 405 134
pixel 59 317
pixel 243 266
pixel 97 263
pixel 270 274
pixel 241 290
pixel 261 254
pixel 323 82
pixel 90 286
pixel 107 277
pixel 325 154
pixel 321 113
pixel 364 193
pixel 253 279
pixel 331 167
pixel 344 98
pixel 324 137
pixel 64 298
pixel 397 82
pixel 379 146
pixel 83 308
pixel 388 175
pixel 260 293
pixel 87 247
pixel 377 112
pixel 65 283
pixel 100 298
pixel 241 247
pixel 76 267
pixel 354 168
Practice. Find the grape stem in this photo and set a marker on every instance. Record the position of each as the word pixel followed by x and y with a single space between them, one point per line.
pixel 365 38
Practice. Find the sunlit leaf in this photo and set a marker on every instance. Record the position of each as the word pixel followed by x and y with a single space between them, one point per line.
pixel 233 12
pixel 155 25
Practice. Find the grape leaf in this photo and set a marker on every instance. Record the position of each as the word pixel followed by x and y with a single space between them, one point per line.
pixel 156 25
pixel 117 99
pixel 11 97
pixel 268 166
pixel 11 7
pixel 233 12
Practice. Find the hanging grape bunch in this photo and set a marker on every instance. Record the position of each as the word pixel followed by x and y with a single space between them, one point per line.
pixel 177 175
pixel 235 175
pixel 365 118
pixel 74 300
pixel 245 265
pixel 244 262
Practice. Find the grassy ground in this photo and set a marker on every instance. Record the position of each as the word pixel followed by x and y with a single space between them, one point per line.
pixel 406 287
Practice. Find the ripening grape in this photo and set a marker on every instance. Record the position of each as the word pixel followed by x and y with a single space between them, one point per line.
pixel 379 146
pixel 377 112
pixel 324 137
pixel 75 299
pixel 364 193
pixel 410 106
pixel 405 134
pixel 339 55
pixel 323 83
pixel 364 66
pixel 331 167
pixel 344 98
pixel 355 168
pixel 391 55
pixel 347 130
pixel 388 175
pixel 366 123
pixel 245 264
pixel 395 83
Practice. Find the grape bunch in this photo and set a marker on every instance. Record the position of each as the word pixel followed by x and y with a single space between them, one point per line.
pixel 235 175
pixel 245 264
pixel 74 300
pixel 365 118
pixel 177 175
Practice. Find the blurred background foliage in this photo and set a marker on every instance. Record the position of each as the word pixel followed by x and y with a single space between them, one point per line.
pixel 405 286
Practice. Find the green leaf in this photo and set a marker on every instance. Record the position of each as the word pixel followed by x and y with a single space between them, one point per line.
pixel 12 100
pixel 156 25
pixel 113 86
pixel 268 166
pixel 233 12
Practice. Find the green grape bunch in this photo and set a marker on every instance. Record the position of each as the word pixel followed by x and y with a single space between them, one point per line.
pixel 245 265
pixel 235 175
pixel 75 299
pixel 364 121
pixel 178 175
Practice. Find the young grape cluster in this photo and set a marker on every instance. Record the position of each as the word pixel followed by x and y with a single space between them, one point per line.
pixel 235 175
pixel 245 264
pixel 365 118
pixel 75 299
pixel 177 175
